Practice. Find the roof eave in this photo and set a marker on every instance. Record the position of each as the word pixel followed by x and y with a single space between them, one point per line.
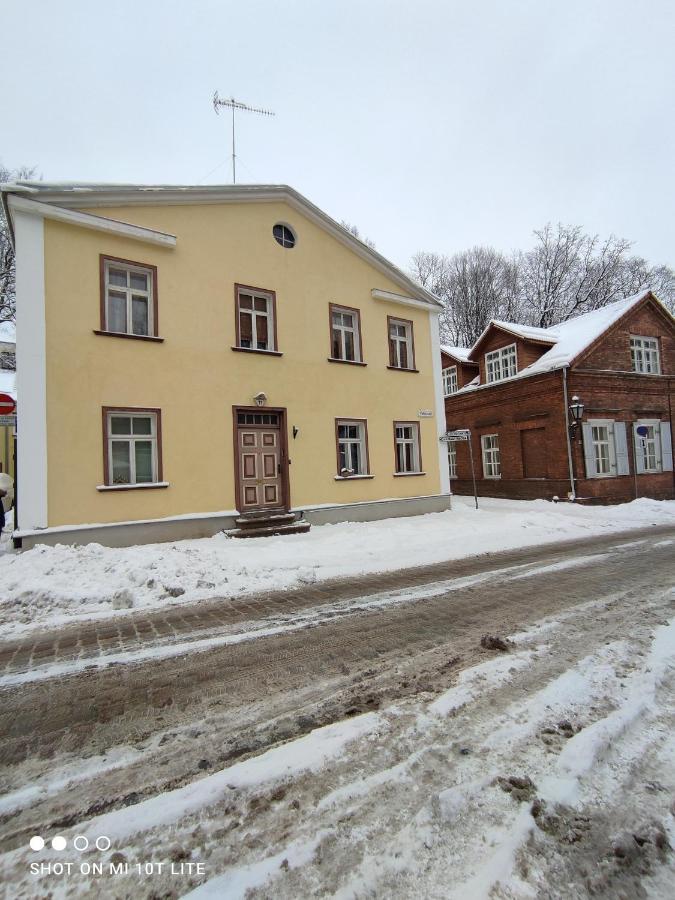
pixel 120 195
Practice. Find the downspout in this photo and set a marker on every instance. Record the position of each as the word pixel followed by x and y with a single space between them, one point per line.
pixel 573 493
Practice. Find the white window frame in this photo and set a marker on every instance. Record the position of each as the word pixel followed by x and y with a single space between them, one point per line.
pixel 360 442
pixel 501 364
pixel 644 355
pixel 268 314
pixel 452 459
pixel 403 440
pixel 130 293
pixel 642 446
pixel 400 340
pixel 491 452
pixel 449 380
pixel 343 330
pixel 132 439
pixel 608 424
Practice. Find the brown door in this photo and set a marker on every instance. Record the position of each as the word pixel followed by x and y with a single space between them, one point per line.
pixel 260 461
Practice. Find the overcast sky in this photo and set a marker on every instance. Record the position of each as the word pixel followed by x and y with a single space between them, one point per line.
pixel 430 125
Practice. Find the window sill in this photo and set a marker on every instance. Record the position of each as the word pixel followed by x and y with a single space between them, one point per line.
pixel 352 477
pixel 401 369
pixel 132 487
pixel 407 474
pixel 346 362
pixel 254 350
pixel 492 477
pixel 133 337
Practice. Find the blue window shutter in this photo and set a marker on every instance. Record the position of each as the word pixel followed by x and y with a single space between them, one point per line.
pixel 621 445
pixel 589 453
pixel 637 449
pixel 666 448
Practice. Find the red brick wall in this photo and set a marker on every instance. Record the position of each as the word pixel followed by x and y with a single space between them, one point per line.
pixel 510 407
pixel 625 398
pixel 613 350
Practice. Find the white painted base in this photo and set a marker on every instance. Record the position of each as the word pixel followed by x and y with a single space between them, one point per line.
pixel 155 531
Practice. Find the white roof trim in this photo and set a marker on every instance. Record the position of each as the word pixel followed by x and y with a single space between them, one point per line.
pixel 91 196
pixel 86 220
pixel 390 297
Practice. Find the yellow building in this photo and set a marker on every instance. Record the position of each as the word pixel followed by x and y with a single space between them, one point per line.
pixel 188 354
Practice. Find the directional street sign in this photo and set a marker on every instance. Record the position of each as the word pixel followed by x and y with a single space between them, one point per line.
pixel 462 434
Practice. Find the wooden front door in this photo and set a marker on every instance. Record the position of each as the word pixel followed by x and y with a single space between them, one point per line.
pixel 260 461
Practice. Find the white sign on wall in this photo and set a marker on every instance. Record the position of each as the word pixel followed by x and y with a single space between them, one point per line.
pixel 425 413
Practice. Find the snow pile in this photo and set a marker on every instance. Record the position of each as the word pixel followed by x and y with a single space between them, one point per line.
pixel 50 585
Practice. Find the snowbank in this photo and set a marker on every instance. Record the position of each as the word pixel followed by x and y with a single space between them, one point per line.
pixel 50 585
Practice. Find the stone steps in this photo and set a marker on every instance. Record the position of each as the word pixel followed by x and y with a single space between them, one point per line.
pixel 263 524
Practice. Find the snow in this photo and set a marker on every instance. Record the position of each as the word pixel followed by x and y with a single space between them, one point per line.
pixel 47 586
pixel 570 338
pixel 8 382
pixel 306 754
pixel 459 353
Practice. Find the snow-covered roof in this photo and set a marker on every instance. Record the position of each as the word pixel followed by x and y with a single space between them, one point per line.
pixel 8 383
pixel 459 353
pixel 570 338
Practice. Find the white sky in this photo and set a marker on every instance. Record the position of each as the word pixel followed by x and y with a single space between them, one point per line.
pixel 430 125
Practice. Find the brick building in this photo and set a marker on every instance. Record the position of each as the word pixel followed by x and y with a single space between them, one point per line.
pixel 513 390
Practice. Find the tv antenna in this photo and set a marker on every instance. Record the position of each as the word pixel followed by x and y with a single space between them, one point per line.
pixel 235 105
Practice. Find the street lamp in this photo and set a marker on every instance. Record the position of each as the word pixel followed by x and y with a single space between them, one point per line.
pixel 576 413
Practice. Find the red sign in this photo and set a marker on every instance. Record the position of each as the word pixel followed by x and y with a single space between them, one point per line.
pixel 7 405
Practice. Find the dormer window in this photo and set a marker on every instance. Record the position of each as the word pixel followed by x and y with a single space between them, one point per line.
pixel 501 364
pixel 449 381
pixel 644 355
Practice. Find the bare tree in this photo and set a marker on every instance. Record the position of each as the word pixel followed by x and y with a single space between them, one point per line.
pixel 352 229
pixel 7 280
pixel 565 274
pixel 475 286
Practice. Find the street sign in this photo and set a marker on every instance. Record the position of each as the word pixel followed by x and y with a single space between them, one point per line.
pixel 642 430
pixel 8 420
pixel 425 413
pixel 7 405
pixel 462 434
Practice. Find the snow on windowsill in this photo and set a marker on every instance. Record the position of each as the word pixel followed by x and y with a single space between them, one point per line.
pixel 351 477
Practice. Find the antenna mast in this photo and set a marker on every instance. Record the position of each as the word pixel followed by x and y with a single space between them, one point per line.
pixel 234 105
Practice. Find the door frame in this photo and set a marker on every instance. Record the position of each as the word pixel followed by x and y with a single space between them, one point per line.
pixel 283 448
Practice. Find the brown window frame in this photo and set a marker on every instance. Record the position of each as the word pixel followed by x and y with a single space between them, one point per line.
pixel 120 410
pixel 411 324
pixel 268 294
pixel 340 307
pixel 103 329
pixel 346 420
pixel 419 449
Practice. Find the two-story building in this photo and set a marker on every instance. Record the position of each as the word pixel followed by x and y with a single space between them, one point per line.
pixel 191 355
pixel 582 410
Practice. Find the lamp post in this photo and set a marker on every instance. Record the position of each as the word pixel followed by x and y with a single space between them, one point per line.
pixel 576 415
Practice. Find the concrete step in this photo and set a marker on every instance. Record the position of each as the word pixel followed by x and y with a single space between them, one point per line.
pixel 259 520
pixel 267 530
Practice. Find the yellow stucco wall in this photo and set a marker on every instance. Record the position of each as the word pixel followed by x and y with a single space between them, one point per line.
pixel 194 376
pixel 7 450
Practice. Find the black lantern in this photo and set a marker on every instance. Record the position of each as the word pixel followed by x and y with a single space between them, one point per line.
pixel 576 414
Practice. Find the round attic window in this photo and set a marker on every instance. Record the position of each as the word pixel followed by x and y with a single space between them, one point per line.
pixel 284 236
